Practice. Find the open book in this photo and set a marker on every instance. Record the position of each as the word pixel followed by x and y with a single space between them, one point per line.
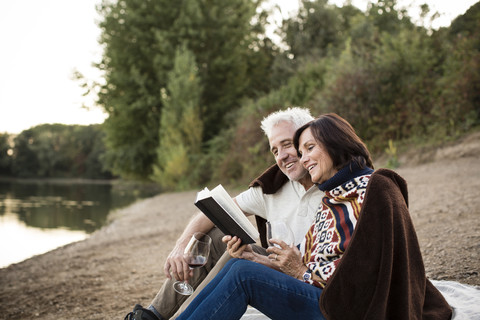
pixel 219 207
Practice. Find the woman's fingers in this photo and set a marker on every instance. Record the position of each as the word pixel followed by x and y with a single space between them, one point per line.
pixel 280 243
pixel 226 239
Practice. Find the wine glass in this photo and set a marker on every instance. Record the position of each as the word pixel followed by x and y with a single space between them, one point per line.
pixel 195 255
pixel 279 230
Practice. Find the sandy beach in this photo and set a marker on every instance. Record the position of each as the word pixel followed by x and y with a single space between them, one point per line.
pixel 120 265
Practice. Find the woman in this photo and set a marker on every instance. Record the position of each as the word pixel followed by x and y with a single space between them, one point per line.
pixel 375 272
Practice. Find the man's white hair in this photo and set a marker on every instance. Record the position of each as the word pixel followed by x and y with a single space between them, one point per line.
pixel 296 115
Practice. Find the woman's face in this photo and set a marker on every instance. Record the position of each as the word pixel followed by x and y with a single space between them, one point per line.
pixel 315 158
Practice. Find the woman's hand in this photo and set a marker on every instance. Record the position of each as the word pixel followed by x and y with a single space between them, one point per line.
pixel 286 259
pixel 236 249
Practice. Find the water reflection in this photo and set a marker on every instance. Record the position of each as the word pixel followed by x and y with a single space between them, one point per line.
pixel 20 241
pixel 38 216
pixel 53 205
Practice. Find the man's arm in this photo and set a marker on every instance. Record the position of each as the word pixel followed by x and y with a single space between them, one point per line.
pixel 245 213
pixel 175 265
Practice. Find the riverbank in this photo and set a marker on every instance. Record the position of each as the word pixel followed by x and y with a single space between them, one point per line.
pixel 104 276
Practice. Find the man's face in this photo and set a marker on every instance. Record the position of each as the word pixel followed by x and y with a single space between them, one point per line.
pixel 281 145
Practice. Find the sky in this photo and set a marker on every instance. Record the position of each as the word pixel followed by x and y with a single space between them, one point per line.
pixel 44 42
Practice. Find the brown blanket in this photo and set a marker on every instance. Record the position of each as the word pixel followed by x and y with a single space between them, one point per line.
pixel 381 275
pixel 271 180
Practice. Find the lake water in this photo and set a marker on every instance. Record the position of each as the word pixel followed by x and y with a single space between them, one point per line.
pixel 39 216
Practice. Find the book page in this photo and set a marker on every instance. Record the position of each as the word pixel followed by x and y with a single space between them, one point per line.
pixel 202 194
pixel 225 200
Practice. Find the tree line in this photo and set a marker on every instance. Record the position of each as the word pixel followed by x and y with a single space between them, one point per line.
pixel 187 82
pixel 54 151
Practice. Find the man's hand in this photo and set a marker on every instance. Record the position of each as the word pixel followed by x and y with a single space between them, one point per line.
pixel 236 249
pixel 176 265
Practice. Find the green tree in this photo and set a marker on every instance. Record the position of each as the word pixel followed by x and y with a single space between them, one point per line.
pixel 5 155
pixel 319 29
pixel 86 157
pixel 468 23
pixel 313 30
pixel 57 150
pixel 457 108
pixel 181 125
pixel 25 161
pixel 130 95
pixel 385 89
pixel 140 38
pixel 387 17
pixel 218 32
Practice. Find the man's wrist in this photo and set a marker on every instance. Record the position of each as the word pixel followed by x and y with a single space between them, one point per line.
pixel 183 241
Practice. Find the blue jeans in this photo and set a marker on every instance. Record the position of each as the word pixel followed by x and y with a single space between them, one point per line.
pixel 242 283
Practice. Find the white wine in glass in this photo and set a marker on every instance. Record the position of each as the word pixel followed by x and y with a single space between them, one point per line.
pixel 278 229
pixel 195 255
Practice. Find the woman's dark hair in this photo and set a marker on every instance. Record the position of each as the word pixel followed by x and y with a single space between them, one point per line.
pixel 339 139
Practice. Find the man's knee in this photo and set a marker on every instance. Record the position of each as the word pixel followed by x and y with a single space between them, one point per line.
pixel 218 247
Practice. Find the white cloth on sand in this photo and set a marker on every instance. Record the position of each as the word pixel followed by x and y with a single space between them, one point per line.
pixel 464 299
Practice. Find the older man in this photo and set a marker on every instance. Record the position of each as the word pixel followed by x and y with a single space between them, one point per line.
pixel 283 192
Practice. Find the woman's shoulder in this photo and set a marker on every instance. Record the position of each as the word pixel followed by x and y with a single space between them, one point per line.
pixel 384 175
pixel 386 181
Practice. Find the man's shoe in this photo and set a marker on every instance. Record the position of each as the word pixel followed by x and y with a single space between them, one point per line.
pixel 140 313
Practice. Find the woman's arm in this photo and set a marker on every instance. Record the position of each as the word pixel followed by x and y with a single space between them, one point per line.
pixel 289 260
pixel 237 250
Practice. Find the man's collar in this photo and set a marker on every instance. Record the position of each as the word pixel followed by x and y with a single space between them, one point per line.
pixel 271 180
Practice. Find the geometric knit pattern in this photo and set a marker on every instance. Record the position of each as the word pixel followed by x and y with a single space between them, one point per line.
pixel 332 230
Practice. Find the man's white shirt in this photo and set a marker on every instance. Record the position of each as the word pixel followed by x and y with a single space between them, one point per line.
pixel 291 203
